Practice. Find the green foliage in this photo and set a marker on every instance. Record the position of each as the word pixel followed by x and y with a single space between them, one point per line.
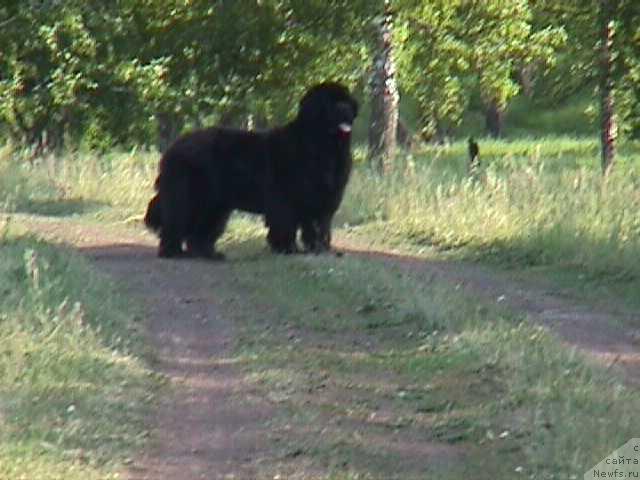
pixel 250 57
pixel 628 66
pixel 448 49
pixel 58 70
pixel 579 59
pixel 137 72
pixel 112 67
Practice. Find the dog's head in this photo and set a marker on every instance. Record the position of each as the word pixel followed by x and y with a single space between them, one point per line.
pixel 329 105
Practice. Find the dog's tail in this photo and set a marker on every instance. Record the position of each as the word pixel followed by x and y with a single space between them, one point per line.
pixel 153 217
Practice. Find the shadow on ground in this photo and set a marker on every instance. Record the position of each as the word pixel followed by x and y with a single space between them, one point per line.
pixel 59 208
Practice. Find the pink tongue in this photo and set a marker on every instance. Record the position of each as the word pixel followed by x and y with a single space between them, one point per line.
pixel 344 130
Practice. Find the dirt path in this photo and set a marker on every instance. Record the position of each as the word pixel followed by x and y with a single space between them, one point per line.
pixel 201 430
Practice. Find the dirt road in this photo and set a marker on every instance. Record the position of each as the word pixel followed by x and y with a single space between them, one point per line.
pixel 201 430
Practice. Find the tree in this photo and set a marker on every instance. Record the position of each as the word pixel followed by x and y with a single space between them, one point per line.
pixel 449 48
pixel 49 69
pixel 603 51
pixel 139 70
pixel 385 98
pixel 608 131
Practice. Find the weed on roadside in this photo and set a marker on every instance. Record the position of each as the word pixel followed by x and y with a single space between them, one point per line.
pixel 74 390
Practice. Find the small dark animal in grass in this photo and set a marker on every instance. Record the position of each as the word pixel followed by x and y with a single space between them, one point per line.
pixel 474 156
pixel 295 175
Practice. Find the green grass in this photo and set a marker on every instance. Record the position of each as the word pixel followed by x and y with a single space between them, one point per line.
pixel 533 203
pixel 73 389
pixel 344 339
pixel 117 185
pixel 576 117
pixel 353 351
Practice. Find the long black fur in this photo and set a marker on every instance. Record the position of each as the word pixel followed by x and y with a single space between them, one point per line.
pixel 295 175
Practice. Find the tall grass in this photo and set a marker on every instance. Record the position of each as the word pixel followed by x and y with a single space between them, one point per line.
pixel 73 390
pixel 532 202
pixel 117 184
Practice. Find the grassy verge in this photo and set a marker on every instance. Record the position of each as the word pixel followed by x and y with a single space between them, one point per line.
pixel 533 204
pixel 537 205
pixel 73 390
pixel 382 374
pixel 114 186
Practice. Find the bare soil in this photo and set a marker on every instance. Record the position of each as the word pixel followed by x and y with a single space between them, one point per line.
pixel 201 430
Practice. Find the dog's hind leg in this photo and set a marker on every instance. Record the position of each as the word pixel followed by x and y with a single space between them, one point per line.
pixel 282 231
pixel 201 242
pixel 175 216
pixel 282 240
pixel 153 217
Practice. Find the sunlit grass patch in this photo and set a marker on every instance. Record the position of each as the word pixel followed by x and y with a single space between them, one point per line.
pixel 533 203
pixel 117 184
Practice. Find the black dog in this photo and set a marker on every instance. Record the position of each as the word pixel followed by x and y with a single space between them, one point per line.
pixel 294 175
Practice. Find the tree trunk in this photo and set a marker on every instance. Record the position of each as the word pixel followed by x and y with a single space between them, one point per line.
pixel 404 139
pixel 168 130
pixel 608 131
pixel 384 99
pixel 494 119
pixel 526 78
